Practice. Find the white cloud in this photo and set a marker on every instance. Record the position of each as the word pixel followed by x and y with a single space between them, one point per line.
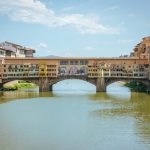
pixel 41 52
pixel 34 11
pixel 68 54
pixel 49 51
pixel 125 41
pixel 111 8
pixel 89 48
pixel 43 45
pixel 69 8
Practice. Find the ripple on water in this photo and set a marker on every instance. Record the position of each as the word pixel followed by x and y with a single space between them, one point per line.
pixel 87 120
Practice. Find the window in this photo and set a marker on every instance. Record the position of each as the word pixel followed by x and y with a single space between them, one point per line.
pixel 63 62
pixel 73 62
pixel 2 53
pixel 83 62
pixel 21 52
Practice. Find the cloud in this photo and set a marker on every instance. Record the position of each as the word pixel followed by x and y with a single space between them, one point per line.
pixel 34 11
pixel 68 54
pixel 69 8
pixel 125 41
pixel 89 48
pixel 42 52
pixel 112 8
pixel 43 45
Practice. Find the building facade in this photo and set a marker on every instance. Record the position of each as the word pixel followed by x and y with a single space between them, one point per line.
pixel 142 49
pixel 8 49
pixel 90 67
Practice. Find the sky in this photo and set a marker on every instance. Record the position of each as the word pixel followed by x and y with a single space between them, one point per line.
pixel 75 28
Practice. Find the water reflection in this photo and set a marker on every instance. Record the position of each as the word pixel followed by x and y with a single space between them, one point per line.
pixel 8 96
pixel 137 107
pixel 87 120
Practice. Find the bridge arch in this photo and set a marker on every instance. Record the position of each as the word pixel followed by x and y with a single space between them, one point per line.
pixel 112 80
pixel 73 85
pixel 56 80
pixel 24 79
pixel 138 81
pixel 46 83
pixel 5 83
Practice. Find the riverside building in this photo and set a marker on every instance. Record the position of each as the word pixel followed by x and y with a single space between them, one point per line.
pixel 8 49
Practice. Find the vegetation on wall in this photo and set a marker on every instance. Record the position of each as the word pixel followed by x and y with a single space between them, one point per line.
pixel 136 86
pixel 19 85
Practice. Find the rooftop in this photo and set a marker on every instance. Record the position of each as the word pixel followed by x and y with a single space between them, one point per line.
pixel 14 46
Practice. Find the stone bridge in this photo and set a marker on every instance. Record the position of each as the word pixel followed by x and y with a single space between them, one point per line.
pixel 46 83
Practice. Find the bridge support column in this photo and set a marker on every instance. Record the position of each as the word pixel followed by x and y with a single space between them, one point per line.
pixel 100 85
pixel 1 86
pixel 50 87
pixel 44 85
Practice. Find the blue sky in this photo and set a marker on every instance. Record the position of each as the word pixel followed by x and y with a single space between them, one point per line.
pixel 75 28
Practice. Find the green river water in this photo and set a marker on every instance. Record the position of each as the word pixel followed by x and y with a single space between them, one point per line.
pixel 75 117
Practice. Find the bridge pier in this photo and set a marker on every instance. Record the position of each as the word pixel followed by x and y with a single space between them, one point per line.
pixel 50 87
pixel 100 85
pixel 44 85
pixel 1 86
pixel 148 88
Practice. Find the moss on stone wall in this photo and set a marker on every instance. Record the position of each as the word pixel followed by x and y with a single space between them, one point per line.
pixel 136 86
pixel 19 85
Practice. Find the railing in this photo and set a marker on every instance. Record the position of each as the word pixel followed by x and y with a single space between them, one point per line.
pixel 89 75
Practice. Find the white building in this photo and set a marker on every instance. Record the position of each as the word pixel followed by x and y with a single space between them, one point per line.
pixel 8 49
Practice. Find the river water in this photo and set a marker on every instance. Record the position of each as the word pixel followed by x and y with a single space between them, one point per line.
pixel 75 117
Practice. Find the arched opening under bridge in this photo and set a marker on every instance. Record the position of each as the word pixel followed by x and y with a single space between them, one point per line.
pixel 136 85
pixel 74 86
pixel 119 90
pixel 19 84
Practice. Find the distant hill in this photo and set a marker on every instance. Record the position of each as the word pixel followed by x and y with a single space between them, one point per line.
pixel 49 56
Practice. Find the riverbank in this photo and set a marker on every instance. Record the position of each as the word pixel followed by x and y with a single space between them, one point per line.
pixel 15 85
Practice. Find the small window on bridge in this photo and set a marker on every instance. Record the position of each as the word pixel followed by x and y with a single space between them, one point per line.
pixel 83 62
pixel 64 62
pixel 73 62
